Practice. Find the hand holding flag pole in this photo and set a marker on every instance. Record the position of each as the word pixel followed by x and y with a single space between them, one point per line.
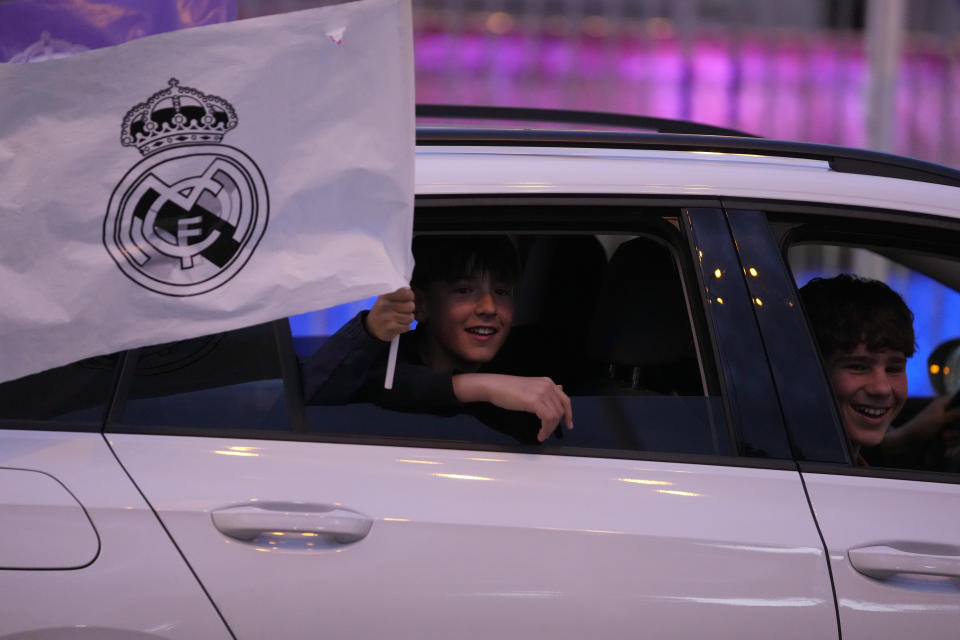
pixel 391 314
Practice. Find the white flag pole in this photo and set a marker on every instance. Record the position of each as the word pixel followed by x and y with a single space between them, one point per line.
pixel 391 362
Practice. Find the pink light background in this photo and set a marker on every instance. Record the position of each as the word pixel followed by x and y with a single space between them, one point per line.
pixel 783 84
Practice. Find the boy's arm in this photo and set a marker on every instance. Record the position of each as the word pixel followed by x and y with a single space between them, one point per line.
pixel 540 396
pixel 340 367
pixel 416 387
pixel 906 444
pixel 421 389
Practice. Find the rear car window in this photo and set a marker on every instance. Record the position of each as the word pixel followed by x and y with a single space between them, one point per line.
pixel 75 394
pixel 220 382
pixel 921 267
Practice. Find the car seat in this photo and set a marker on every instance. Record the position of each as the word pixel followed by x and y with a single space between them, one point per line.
pixel 558 292
pixel 641 328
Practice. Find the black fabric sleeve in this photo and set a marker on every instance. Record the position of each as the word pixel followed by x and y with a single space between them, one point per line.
pixel 350 367
pixel 416 387
pixel 338 371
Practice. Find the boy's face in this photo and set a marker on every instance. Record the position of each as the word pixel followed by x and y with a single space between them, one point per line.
pixel 467 320
pixel 870 388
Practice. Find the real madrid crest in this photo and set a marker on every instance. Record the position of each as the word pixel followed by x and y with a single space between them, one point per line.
pixel 187 217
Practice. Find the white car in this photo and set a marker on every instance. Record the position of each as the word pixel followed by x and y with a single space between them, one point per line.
pixel 707 490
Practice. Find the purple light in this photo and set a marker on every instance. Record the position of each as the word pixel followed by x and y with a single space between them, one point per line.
pixel 795 86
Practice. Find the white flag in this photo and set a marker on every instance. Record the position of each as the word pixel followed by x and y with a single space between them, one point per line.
pixel 204 180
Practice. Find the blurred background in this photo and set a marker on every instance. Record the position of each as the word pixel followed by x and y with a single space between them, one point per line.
pixel 881 74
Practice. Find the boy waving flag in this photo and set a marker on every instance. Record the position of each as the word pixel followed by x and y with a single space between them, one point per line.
pixel 204 180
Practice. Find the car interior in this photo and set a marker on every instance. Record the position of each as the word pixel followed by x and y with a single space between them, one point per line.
pixel 606 315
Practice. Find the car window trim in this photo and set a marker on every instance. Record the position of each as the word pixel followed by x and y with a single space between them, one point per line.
pixel 735 336
pixel 887 473
pixel 121 389
pixel 31 424
pixel 847 212
pixel 453 445
pixel 811 422
pixel 290 372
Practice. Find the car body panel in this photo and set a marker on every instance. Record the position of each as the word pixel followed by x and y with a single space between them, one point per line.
pixel 549 170
pixel 856 512
pixel 137 586
pixel 44 527
pixel 477 544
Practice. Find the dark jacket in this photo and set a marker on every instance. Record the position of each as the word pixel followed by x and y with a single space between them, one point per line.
pixel 350 367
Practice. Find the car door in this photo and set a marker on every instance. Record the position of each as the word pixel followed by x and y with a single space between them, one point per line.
pixel 893 534
pixel 661 515
pixel 81 554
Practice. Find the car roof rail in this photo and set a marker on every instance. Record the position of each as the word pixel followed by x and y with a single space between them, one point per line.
pixel 572 116
pixel 840 159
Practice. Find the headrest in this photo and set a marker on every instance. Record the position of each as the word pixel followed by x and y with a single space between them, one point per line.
pixel 559 269
pixel 641 317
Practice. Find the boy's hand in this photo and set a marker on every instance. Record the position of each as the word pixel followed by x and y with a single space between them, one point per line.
pixel 540 396
pixel 929 421
pixel 391 315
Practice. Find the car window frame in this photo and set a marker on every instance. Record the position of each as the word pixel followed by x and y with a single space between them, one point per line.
pixel 793 222
pixel 753 411
pixel 551 215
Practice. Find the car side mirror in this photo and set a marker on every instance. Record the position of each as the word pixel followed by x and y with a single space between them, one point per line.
pixel 943 365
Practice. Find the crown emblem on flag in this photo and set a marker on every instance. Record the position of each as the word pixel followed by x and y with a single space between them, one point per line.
pixel 177 116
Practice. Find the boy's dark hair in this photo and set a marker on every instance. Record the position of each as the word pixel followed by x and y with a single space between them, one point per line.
pixel 846 310
pixel 451 258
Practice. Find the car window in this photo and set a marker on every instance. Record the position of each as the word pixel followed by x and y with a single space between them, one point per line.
pixel 227 381
pixel 75 394
pixel 935 305
pixel 928 280
pixel 604 316
pixel 614 317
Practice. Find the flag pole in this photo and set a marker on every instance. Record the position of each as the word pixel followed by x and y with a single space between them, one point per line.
pixel 391 362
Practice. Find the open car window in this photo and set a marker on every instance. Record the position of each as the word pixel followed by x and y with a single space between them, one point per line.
pixel 637 310
pixel 604 315
pixel 928 280
pixel 614 314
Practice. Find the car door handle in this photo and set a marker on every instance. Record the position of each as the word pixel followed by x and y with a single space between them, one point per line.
pixel 883 561
pixel 247 521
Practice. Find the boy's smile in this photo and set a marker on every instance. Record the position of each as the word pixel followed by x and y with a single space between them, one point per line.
pixel 870 388
pixel 467 321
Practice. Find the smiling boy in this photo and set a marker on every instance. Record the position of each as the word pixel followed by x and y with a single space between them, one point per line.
pixel 865 333
pixel 462 298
